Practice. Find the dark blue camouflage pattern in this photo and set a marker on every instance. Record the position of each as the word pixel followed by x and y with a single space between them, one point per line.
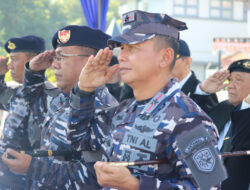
pixel 56 172
pixel 139 26
pixel 110 129
pixel 20 131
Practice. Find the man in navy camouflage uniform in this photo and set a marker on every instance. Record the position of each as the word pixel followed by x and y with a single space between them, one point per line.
pixel 20 129
pixel 73 45
pixel 160 123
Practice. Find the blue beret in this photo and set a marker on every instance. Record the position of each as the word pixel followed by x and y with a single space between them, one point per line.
pixel 139 26
pixel 242 65
pixel 74 35
pixel 25 44
pixel 183 49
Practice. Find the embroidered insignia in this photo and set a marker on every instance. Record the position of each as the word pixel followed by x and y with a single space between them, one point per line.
pixel 11 45
pixel 64 36
pixel 247 65
pixel 195 143
pixel 143 128
pixel 130 17
pixel 204 160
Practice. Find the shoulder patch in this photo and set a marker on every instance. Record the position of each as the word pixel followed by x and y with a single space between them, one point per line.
pixel 201 157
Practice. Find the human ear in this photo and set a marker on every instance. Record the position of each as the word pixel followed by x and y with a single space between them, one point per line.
pixel 167 57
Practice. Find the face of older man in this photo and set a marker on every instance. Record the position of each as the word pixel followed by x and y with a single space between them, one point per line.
pixel 239 87
pixel 68 65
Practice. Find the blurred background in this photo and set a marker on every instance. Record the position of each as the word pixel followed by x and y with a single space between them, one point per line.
pixel 218 30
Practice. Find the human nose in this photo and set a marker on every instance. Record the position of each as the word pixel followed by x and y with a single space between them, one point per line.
pixel 56 64
pixel 122 56
pixel 231 84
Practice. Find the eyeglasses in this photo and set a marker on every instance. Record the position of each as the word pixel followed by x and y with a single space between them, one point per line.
pixel 59 57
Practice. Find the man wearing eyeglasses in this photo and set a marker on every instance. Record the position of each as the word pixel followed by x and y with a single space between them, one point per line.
pixel 73 45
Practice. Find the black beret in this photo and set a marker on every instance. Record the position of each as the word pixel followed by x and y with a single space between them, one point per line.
pixel 242 65
pixel 25 44
pixel 183 49
pixel 74 35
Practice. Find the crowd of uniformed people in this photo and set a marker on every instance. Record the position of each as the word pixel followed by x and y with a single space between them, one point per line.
pixel 107 112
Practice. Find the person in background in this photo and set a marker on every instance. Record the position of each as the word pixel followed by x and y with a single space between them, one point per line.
pixel 188 81
pixel 232 120
pixel 21 128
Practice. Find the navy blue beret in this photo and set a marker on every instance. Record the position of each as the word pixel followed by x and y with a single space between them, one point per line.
pixel 242 65
pixel 74 35
pixel 29 43
pixel 183 49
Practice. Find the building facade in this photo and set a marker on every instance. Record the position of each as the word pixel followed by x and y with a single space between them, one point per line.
pixel 206 20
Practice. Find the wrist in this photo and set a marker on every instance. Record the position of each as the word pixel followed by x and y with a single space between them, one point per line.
pixel 131 184
pixel 203 89
pixel 85 89
pixel 32 67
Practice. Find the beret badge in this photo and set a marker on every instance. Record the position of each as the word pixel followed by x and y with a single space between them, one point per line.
pixel 64 36
pixel 247 65
pixel 11 45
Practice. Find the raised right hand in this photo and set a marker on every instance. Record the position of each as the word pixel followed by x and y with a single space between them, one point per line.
pixel 97 72
pixel 42 61
pixel 3 65
pixel 215 82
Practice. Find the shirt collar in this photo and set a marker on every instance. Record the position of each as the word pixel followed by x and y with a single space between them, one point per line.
pixel 183 81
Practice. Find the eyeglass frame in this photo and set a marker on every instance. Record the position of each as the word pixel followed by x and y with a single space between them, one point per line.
pixel 56 56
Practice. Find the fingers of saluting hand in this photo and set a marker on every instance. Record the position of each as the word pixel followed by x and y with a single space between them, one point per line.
pixel 222 75
pixel 3 60
pixel 103 57
pixel 42 61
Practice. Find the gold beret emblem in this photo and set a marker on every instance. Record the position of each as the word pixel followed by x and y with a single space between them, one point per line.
pixel 246 64
pixel 11 45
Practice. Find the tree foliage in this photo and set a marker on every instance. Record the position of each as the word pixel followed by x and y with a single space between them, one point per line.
pixel 42 18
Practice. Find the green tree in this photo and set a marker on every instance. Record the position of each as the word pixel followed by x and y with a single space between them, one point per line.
pixel 38 17
pixel 43 18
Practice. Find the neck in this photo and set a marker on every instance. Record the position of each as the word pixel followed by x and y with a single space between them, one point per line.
pixel 148 89
pixel 184 75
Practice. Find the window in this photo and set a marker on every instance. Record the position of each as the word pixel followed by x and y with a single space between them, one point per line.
pixel 187 8
pixel 221 9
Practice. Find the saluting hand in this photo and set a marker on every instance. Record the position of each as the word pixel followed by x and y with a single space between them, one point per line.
pixel 3 65
pixel 42 61
pixel 97 72
pixel 118 177
pixel 215 82
pixel 20 164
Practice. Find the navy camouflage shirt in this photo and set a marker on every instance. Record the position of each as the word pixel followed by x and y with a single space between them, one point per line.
pixel 128 133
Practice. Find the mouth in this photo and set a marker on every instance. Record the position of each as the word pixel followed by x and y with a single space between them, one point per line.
pixel 58 76
pixel 124 69
pixel 231 94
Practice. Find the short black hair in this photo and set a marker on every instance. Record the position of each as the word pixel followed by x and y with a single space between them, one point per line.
pixel 165 42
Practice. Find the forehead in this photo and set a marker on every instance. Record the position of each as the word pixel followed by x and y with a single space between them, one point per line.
pixel 18 54
pixel 241 75
pixel 71 49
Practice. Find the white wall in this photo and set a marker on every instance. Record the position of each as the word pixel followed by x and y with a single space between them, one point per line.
pixel 199 71
pixel 201 32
